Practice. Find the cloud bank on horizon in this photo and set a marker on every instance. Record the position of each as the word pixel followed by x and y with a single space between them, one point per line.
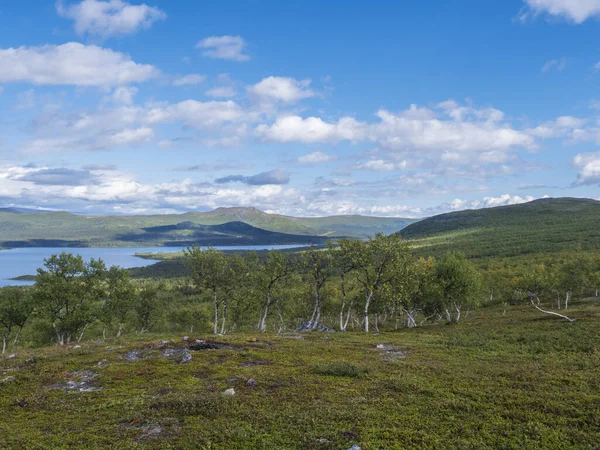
pixel 113 106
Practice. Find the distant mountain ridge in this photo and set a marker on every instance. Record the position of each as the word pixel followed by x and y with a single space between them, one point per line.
pixel 61 229
pixel 540 226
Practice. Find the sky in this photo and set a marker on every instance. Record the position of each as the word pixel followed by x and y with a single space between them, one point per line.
pixel 303 108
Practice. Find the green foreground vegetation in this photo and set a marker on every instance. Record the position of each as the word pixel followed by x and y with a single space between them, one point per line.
pixel 513 380
pixel 379 343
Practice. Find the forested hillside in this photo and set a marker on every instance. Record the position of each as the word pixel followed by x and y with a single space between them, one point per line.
pixel 539 227
pixel 62 229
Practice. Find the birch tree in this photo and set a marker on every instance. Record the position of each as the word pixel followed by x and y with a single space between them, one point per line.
pixel 15 309
pixel 374 263
pixel 209 272
pixel 66 292
pixel 268 276
pixel 318 266
pixel 458 282
pixel 533 283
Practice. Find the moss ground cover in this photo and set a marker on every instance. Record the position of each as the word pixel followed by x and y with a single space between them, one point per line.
pixel 520 380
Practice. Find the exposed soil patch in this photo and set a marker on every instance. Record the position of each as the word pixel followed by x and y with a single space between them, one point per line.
pixel 391 353
pixel 198 346
pixel 256 362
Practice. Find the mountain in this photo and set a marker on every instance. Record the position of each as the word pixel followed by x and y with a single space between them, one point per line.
pixel 541 226
pixel 63 229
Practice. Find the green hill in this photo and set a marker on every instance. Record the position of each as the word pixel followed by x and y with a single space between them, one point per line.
pixel 62 229
pixel 542 226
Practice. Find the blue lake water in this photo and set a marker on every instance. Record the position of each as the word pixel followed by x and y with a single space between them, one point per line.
pixel 26 261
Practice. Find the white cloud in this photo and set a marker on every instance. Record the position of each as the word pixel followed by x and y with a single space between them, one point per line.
pixel 197 114
pixel 555 64
pixel 381 165
pixel 189 80
pixel 284 89
pixel 563 126
pixel 221 92
pixel 224 47
pixel 109 18
pixel 576 11
pixel 315 158
pixel 123 95
pixel 72 63
pixel 311 130
pixel 589 168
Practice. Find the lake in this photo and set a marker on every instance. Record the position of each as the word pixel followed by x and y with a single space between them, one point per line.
pixel 26 261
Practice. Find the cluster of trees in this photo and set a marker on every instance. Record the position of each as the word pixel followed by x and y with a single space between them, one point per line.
pixel 351 284
pixel 578 274
pixel 379 278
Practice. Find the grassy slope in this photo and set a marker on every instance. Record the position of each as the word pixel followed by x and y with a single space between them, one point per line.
pixel 542 226
pixel 523 381
pixel 62 229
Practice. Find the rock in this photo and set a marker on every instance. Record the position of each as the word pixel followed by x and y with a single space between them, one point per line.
pixel 252 339
pixel 251 382
pixel 102 362
pixel 229 392
pixel 11 356
pixel 232 380
pixel 161 344
pixel 134 355
pixel 75 347
pixel 78 381
pixel 31 360
pixel 186 338
pixel 322 440
pixel 7 379
pixel 354 447
pixel 200 341
pixel 183 354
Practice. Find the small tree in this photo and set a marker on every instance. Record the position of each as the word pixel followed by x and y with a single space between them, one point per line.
pixel 458 283
pixel 317 264
pixel 268 276
pixel 374 263
pixel 15 308
pixel 533 283
pixel 209 271
pixel 66 293
pixel 119 298
pixel 149 306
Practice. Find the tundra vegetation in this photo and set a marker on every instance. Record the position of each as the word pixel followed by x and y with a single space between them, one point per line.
pixel 429 351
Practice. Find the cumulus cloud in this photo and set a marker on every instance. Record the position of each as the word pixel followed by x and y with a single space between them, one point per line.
pixel 197 114
pixel 221 92
pixel 276 176
pixel 576 11
pixel 381 165
pixel 109 18
pixel 316 158
pixel 71 64
pixel 311 130
pixel 283 89
pixel 189 80
pixel 589 168
pixel 224 47
pixel 123 95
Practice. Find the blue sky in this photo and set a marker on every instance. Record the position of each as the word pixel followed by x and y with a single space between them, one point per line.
pixel 300 108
